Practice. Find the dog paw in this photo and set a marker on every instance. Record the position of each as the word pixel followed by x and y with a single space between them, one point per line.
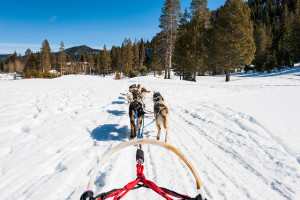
pixel 157 138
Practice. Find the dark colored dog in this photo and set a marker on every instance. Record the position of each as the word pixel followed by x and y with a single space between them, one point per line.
pixel 136 96
pixel 157 97
pixel 135 107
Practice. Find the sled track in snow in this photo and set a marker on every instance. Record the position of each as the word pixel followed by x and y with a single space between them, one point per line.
pixel 227 137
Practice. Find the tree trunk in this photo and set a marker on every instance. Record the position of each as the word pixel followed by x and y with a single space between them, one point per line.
pixel 166 73
pixel 169 76
pixel 227 75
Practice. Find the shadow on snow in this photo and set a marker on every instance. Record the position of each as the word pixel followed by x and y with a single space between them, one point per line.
pixel 116 112
pixel 110 132
pixel 118 102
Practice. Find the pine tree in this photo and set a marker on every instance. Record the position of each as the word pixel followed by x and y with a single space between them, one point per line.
pixel 29 63
pixel 295 37
pixel 154 62
pixel 235 36
pixel 14 61
pixel 127 56
pixel 1 66
pixel 260 37
pixel 199 25
pixel 91 62
pixel 116 59
pixel 123 59
pixel 285 35
pixel 184 19
pixel 136 59
pixel 105 60
pixel 62 57
pixel 142 54
pixel 183 59
pixel 169 22
pixel 97 63
pixel 53 60
pixel 45 57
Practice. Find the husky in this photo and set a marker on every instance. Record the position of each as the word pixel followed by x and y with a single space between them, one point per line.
pixel 144 93
pixel 132 87
pixel 135 108
pixel 161 114
pixel 131 92
pixel 129 97
pixel 139 88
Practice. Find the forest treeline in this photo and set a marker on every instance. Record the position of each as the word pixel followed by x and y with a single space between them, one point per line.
pixel 260 35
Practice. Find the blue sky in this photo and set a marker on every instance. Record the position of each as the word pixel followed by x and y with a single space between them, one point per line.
pixel 25 24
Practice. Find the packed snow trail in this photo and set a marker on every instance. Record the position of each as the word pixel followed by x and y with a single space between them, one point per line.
pixel 53 132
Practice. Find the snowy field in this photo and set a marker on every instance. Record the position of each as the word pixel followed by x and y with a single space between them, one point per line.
pixel 242 136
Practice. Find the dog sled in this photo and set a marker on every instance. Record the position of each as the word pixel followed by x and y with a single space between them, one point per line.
pixel 141 180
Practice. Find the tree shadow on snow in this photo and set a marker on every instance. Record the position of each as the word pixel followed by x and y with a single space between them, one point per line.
pixel 118 102
pixel 110 132
pixel 116 112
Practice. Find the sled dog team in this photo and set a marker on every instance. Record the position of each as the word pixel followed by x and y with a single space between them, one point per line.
pixel 136 97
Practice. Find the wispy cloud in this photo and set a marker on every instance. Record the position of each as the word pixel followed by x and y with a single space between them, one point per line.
pixel 9 48
pixel 52 19
pixel 19 45
pixel 26 45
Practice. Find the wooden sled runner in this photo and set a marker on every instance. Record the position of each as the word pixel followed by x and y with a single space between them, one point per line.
pixel 141 181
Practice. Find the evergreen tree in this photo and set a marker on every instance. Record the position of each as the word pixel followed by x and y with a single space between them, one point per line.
pixel 295 37
pixel 136 59
pixel 127 56
pixel 53 60
pixel 260 37
pixel 62 57
pixel 184 19
pixel 285 35
pixel 105 60
pixel 90 60
pixel 116 59
pixel 45 57
pixel 30 68
pixel 142 54
pixel 183 59
pixel 169 22
pixel 199 25
pixel 14 61
pixel 98 63
pixel 123 64
pixel 1 66
pixel 235 36
pixel 154 62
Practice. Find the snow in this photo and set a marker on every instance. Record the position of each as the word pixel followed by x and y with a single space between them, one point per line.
pixel 242 136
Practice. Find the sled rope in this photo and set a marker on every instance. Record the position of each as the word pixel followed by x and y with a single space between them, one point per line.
pixel 147 125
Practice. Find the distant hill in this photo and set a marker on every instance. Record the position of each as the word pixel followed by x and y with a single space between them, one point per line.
pixel 3 56
pixel 75 52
